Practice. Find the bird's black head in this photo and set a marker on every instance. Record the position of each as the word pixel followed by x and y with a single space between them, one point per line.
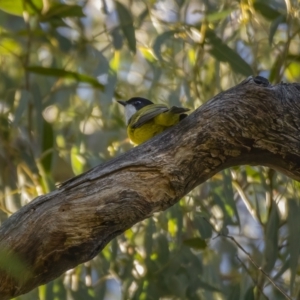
pixel 137 102
pixel 133 105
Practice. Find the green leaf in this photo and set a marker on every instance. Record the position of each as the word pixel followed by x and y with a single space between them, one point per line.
pixel 225 54
pixel 66 74
pixel 292 71
pixel 235 291
pixel 221 201
pixel 203 226
pixel 195 243
pixel 82 292
pixel 59 289
pixel 271 238
pixel 47 146
pixel 4 127
pixel 114 250
pixel 17 7
pixel 275 70
pixel 274 25
pixel 207 286
pixel 228 191
pixel 48 291
pixel 138 291
pixel 220 15
pixel 126 23
pixel 177 285
pixel 59 10
pixel 162 246
pixel 38 108
pixel 148 237
pixel 266 10
pixel 117 38
pixel 160 40
pixel 23 98
pixel 142 16
pixel 250 294
pixel 282 270
pixel 77 161
pixel 293 57
pixel 293 222
pixel 225 201
pixel 9 46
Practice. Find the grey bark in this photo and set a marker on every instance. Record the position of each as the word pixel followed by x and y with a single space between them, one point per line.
pixel 252 123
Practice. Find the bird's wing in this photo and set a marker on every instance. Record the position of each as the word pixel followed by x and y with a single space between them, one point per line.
pixel 147 113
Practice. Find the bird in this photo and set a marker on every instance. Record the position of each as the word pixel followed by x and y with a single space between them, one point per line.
pixel 144 119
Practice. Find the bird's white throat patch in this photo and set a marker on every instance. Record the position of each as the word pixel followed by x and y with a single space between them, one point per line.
pixel 130 110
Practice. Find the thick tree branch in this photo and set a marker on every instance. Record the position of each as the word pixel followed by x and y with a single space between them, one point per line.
pixel 253 123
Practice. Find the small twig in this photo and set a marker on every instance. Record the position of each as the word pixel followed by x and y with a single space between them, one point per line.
pixel 269 192
pixel 253 279
pixel 259 268
pixel 246 201
pixel 26 63
pixel 102 279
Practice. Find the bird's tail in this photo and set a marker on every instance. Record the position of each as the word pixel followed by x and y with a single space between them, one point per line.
pixel 178 110
pixel 182 116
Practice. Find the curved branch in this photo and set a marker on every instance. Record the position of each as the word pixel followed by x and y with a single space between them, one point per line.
pixel 252 123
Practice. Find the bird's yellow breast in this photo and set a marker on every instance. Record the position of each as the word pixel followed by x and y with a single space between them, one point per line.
pixel 145 132
pixel 155 126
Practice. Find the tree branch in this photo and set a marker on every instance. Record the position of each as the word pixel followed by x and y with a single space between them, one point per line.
pixel 252 123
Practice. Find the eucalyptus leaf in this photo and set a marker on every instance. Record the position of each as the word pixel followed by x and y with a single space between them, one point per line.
pixel 207 286
pixel 59 10
pixel 203 226
pixel 195 243
pixel 66 74
pixel 126 23
pixel 216 16
pixel 148 237
pixel 161 40
pixel 17 7
pixel 47 146
pixel 77 160
pixel 4 127
pixel 24 98
pixel 224 53
pixel 274 26
pixel 271 238
pixel 234 292
pixel 228 191
pixel 266 9
pixel 117 38
pixel 250 294
pixel 293 222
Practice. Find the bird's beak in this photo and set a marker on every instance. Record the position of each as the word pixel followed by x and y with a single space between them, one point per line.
pixel 122 102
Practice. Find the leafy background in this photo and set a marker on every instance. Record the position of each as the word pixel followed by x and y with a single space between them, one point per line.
pixel 62 66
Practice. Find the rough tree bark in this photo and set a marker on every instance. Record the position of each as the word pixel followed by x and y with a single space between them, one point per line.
pixel 252 123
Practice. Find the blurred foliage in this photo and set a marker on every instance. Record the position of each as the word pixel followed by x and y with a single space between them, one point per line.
pixel 63 63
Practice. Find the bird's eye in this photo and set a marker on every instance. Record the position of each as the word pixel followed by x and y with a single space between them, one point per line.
pixel 138 102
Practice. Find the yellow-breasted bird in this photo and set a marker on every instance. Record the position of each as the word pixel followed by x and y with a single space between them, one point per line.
pixel 145 119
